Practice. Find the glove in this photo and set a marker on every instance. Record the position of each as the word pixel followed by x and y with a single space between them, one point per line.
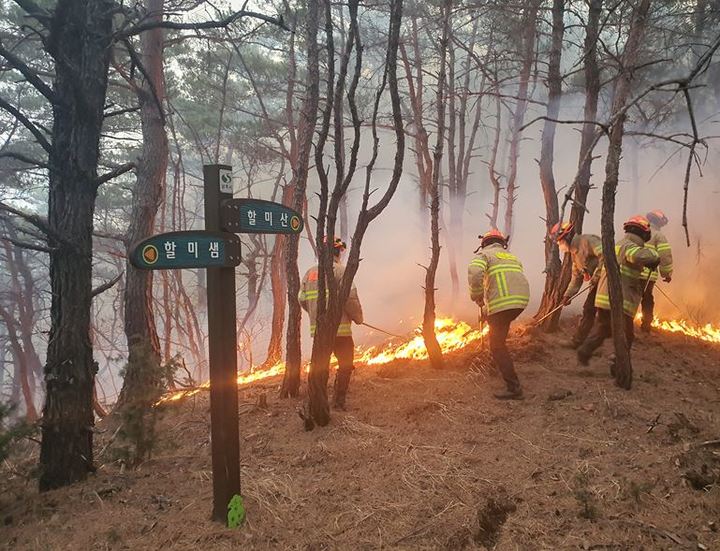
pixel 667 278
pixel 653 265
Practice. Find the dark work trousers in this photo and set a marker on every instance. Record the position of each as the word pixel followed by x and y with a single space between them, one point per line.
pixel 499 327
pixel 344 350
pixel 648 305
pixel 601 331
pixel 587 319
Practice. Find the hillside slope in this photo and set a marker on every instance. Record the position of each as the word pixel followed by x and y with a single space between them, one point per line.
pixel 425 460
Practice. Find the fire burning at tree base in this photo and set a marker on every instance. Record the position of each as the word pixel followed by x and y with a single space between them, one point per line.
pixel 452 335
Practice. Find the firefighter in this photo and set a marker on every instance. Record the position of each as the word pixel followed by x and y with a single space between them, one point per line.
pixel 586 253
pixel 499 287
pixel 657 220
pixel 633 257
pixel 344 346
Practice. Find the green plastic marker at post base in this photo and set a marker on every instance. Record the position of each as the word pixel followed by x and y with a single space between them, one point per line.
pixel 236 512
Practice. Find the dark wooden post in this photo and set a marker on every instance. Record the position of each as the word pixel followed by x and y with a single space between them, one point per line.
pixel 222 336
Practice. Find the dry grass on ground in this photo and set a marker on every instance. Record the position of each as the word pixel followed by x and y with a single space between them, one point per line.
pixel 425 460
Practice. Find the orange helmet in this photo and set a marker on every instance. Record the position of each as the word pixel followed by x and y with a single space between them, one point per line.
pixel 562 230
pixel 338 245
pixel 657 218
pixel 638 222
pixel 493 236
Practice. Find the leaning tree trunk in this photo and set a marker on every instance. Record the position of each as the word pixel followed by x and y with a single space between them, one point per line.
pixel 428 325
pixel 80 43
pixel 623 365
pixel 547 180
pixel 529 22
pixel 143 377
pixel 23 372
pixel 308 119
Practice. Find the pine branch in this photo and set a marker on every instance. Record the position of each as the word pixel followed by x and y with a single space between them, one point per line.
pixel 27 123
pixel 30 75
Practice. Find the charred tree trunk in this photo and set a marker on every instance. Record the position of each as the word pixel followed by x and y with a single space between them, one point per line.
pixel 428 326
pixel 581 188
pixel 143 377
pixel 547 180
pixel 308 119
pixel 623 365
pixel 529 25
pixel 80 43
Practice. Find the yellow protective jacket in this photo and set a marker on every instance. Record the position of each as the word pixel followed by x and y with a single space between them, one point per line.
pixel 586 253
pixel 308 298
pixel 633 256
pixel 497 280
pixel 662 247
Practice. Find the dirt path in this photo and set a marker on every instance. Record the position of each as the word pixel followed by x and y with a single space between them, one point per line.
pixel 427 460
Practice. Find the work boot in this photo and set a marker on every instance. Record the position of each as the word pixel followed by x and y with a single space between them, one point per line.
pixel 645 328
pixel 342 381
pixel 613 363
pixel 582 358
pixel 509 394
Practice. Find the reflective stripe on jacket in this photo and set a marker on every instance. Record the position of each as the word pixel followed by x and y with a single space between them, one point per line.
pixel 632 258
pixel 662 247
pixel 309 294
pixel 496 279
pixel 586 253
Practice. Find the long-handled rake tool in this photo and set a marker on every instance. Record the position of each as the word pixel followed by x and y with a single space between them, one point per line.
pixel 551 312
pixel 382 331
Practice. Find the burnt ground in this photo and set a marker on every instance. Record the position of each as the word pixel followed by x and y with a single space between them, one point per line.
pixel 422 460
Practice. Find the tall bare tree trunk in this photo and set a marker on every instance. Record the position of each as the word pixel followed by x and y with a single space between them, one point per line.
pixel 623 365
pixel 428 326
pixel 587 143
pixel 529 25
pixel 143 378
pixel 547 154
pixel 80 43
pixel 308 120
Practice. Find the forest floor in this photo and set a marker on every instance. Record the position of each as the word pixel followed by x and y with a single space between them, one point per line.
pixel 423 460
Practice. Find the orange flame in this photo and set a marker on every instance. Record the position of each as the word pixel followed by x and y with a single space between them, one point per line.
pixel 451 335
pixel 707 332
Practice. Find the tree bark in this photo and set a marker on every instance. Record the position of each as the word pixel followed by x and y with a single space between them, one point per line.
pixel 428 326
pixel 308 120
pixel 80 43
pixel 143 378
pixel 529 25
pixel 623 365
pixel 550 296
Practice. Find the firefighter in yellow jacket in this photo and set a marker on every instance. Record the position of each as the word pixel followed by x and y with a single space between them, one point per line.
pixel 633 257
pixel 344 347
pixel 658 240
pixel 586 253
pixel 500 289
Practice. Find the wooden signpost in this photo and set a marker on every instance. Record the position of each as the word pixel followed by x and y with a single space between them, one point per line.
pixel 217 248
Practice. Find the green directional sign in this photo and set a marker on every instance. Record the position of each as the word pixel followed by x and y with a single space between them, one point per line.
pixel 187 249
pixel 258 216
